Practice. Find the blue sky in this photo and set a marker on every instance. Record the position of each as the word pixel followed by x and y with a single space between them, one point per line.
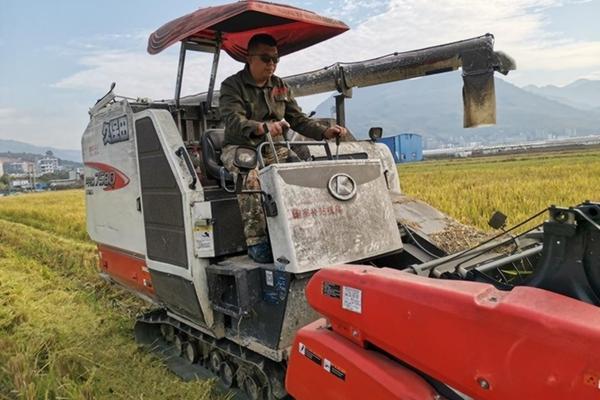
pixel 58 57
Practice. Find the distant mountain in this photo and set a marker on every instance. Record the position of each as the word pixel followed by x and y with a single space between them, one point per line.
pixel 583 93
pixel 432 106
pixel 14 146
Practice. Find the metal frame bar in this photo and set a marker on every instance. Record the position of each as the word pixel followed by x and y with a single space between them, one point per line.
pixel 213 72
pixel 209 47
pixel 261 161
pixel 340 110
pixel 502 261
pixel 182 51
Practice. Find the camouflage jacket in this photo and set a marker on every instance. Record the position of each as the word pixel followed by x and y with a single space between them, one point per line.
pixel 244 106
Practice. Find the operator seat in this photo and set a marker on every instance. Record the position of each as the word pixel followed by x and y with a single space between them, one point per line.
pixel 212 146
pixel 228 231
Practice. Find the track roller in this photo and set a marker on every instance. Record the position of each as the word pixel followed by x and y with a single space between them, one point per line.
pixel 168 332
pixel 179 342
pixel 191 352
pixel 252 387
pixel 227 374
pixel 214 362
pixel 202 356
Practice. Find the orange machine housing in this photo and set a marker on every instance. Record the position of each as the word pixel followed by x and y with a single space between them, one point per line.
pixel 392 334
pixel 126 268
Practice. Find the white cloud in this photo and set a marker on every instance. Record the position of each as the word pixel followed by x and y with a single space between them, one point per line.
pixel 356 11
pixel 7 113
pixel 520 28
pixel 381 27
pixel 139 74
pixel 56 126
pixel 595 75
pixel 135 73
pixel 10 116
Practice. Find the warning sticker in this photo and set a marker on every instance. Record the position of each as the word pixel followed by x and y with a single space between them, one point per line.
pixel 203 237
pixel 306 352
pixel 269 278
pixel 333 370
pixel 352 299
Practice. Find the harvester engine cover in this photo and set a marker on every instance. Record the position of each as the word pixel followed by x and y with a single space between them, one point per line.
pixel 332 212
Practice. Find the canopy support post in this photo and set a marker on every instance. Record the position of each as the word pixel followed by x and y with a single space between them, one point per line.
pixel 213 73
pixel 182 52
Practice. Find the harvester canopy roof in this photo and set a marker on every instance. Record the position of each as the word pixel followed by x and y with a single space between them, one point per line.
pixel 293 28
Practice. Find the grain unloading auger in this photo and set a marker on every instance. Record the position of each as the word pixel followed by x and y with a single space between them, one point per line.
pixel 165 216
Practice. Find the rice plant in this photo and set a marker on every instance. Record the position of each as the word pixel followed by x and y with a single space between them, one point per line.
pixel 470 190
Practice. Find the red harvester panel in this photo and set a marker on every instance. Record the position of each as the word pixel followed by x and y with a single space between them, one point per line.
pixel 127 269
pixel 324 365
pixel 489 344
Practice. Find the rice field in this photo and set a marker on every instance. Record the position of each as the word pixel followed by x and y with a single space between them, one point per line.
pixel 60 213
pixel 65 334
pixel 470 190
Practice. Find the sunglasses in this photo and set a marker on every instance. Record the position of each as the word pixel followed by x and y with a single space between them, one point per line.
pixel 267 58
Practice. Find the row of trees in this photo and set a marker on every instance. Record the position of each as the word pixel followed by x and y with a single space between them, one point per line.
pixel 3 183
pixel 46 178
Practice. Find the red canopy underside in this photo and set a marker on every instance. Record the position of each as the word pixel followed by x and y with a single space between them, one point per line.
pixel 293 28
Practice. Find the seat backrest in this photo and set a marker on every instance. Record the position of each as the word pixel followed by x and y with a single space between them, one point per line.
pixel 212 145
pixel 228 229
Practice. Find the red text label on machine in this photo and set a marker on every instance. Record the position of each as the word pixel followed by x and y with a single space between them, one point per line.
pixel 106 176
pixel 298 213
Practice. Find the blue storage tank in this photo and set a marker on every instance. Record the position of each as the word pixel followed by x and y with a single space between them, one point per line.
pixel 405 147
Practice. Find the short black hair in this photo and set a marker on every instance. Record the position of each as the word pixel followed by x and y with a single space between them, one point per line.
pixel 261 38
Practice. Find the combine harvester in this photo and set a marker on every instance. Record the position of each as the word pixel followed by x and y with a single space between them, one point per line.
pixel 513 318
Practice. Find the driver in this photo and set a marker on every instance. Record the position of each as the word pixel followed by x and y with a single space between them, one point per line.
pixel 252 102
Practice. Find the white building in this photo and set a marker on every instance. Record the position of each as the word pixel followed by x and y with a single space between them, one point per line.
pixel 21 183
pixel 47 165
pixel 19 168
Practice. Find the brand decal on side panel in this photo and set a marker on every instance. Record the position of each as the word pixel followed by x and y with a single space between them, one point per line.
pixel 106 176
pixel 342 187
pixel 116 130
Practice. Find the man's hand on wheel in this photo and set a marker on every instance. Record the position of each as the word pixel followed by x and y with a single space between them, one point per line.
pixel 335 131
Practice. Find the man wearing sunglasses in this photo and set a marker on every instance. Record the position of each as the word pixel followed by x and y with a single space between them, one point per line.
pixel 253 102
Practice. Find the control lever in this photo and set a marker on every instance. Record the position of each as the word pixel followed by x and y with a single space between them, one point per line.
pixel 292 157
pixel 271 143
pixel 285 128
